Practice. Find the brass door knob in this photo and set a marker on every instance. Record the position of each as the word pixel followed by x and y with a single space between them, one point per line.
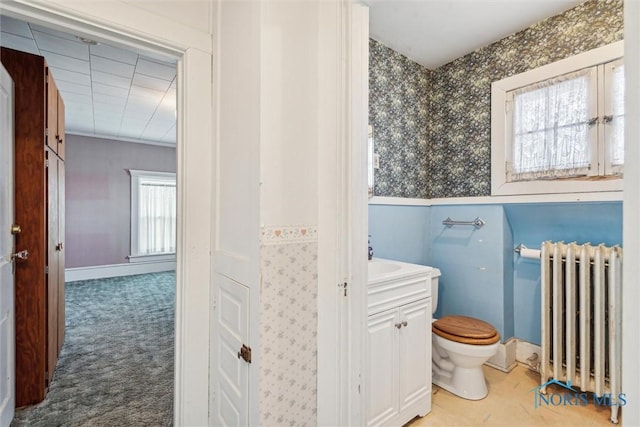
pixel 16 229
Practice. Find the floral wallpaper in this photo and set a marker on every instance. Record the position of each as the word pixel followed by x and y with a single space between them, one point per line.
pixel 458 105
pixel 288 331
pixel 398 104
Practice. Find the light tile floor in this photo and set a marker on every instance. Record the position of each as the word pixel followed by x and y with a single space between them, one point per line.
pixel 510 402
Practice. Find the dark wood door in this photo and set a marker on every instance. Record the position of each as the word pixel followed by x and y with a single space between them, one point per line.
pixel 60 133
pixel 29 75
pixel 61 252
pixel 52 113
pixel 52 275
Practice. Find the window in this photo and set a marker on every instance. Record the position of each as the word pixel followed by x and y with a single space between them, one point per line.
pixel 153 215
pixel 560 128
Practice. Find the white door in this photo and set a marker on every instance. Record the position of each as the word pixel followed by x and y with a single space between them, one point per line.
pixel 383 367
pixel 232 360
pixel 7 340
pixel 415 354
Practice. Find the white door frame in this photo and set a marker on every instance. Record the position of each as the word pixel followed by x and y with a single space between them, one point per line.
pixel 631 222
pixel 343 214
pixel 195 141
pixel 8 400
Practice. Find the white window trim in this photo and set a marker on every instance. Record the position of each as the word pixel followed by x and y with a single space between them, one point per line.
pixel 499 123
pixel 136 177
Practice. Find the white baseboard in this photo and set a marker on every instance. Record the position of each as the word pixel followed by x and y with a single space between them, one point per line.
pixel 505 359
pixel 528 354
pixel 117 270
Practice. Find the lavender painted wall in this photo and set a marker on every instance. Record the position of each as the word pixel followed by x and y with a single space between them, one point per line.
pixel 98 196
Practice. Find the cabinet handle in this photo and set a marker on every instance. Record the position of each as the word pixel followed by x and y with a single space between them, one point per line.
pixel 401 324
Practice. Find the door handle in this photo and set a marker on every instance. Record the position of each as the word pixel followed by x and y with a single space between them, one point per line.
pixel 19 255
pixel 16 229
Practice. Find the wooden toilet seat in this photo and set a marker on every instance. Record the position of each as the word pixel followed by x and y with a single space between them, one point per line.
pixel 466 330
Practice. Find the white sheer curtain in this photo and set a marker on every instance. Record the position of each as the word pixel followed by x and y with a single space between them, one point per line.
pixel 551 128
pixel 616 144
pixel 157 218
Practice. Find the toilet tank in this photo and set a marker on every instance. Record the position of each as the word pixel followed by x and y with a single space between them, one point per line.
pixel 435 277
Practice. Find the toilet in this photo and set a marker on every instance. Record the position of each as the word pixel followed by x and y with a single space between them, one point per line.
pixel 461 345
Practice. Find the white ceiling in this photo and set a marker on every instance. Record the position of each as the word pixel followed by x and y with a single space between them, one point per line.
pixel 435 32
pixel 107 91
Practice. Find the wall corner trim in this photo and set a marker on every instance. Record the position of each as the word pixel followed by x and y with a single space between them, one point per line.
pixel 505 359
pixel 117 270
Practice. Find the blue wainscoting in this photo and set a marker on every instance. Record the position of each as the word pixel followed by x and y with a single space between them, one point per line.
pixel 481 275
pixel 399 232
pixel 531 224
pixel 472 262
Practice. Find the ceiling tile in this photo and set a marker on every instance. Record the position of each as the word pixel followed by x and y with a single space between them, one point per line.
pixel 111 100
pixel 138 115
pixel 18 43
pixel 78 126
pixel 114 53
pixel 61 46
pixel 110 79
pixel 151 82
pixel 97 83
pixel 150 95
pixel 101 110
pixel 69 87
pixel 61 75
pixel 130 131
pixel 14 26
pixel 80 114
pixel 112 67
pixel 158 123
pixel 67 63
pixel 163 71
pixel 165 115
pixel 106 128
pixel 119 92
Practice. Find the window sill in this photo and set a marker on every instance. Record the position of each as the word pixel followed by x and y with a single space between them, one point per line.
pixel 561 186
pixel 152 258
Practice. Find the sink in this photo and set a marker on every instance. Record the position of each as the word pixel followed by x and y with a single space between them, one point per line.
pixel 378 268
pixel 393 283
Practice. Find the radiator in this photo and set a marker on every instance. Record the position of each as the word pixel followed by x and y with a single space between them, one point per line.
pixel 581 322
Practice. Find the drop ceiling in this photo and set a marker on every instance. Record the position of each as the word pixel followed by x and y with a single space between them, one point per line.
pixel 108 91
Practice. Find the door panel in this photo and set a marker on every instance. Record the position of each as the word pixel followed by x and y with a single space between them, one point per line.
pixel 52 263
pixel 7 325
pixel 61 252
pixel 233 323
pixel 415 354
pixel 52 113
pixel 62 142
pixel 383 367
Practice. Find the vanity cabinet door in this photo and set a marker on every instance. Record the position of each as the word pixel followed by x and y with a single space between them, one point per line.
pixel 383 367
pixel 415 355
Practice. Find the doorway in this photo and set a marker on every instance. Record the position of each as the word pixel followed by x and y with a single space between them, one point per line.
pixel 193 149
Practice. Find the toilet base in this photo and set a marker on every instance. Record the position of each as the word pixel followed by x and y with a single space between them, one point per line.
pixel 468 383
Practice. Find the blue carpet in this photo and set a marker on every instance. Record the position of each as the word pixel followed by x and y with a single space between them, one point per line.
pixel 116 364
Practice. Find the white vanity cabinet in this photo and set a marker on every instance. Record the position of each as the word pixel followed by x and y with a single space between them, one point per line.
pixel 399 348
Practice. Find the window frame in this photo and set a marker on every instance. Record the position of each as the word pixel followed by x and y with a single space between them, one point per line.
pixel 138 177
pixel 501 128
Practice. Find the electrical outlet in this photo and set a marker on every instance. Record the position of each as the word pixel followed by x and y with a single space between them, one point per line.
pixel 376 161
